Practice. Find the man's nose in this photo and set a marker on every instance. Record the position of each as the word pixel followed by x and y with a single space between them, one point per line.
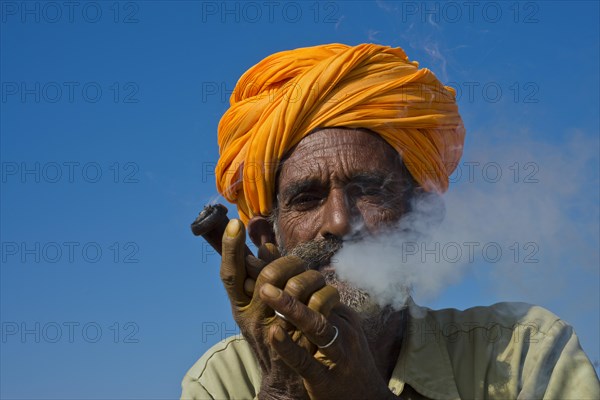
pixel 338 215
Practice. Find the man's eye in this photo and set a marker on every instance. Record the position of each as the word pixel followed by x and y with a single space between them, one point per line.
pixel 305 200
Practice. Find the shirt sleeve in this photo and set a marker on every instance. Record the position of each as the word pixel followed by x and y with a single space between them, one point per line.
pixel 228 370
pixel 192 389
pixel 559 369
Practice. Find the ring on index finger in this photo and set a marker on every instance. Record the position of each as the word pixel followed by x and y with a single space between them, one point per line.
pixel 335 336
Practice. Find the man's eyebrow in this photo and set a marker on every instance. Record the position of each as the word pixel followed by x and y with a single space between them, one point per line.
pixel 369 177
pixel 380 178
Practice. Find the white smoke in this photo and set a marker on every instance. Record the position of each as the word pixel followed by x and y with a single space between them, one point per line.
pixel 523 212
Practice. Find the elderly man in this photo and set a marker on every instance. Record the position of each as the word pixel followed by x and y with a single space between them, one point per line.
pixel 333 143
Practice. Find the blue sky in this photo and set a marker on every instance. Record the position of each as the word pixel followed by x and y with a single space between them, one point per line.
pixel 108 144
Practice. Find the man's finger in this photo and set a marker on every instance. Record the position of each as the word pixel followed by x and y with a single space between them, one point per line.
pixel 277 274
pixel 324 300
pixel 279 271
pixel 254 265
pixel 304 285
pixel 249 285
pixel 233 268
pixel 296 357
pixel 311 323
pixel 268 252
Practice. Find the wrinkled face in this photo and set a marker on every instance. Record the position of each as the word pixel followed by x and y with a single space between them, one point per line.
pixel 339 183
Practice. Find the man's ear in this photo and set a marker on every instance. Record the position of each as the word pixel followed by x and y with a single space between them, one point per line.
pixel 260 231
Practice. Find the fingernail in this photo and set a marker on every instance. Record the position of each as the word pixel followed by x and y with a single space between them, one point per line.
pixel 271 291
pixel 271 247
pixel 279 335
pixel 249 285
pixel 233 228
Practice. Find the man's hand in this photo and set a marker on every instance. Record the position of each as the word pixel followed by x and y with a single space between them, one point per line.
pixel 344 368
pixel 244 278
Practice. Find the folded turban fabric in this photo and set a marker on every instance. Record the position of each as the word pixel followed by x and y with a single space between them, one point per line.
pixel 289 94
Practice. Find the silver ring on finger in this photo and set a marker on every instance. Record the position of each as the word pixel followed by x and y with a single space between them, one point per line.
pixel 335 336
pixel 280 315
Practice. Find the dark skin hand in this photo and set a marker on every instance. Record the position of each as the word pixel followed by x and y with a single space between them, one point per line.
pixel 332 180
pixel 244 279
pixel 344 370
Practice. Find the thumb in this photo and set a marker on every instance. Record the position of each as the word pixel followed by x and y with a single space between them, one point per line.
pixel 233 269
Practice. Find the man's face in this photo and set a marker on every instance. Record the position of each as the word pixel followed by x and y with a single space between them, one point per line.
pixel 338 184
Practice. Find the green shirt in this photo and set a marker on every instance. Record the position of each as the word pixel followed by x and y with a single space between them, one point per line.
pixel 505 351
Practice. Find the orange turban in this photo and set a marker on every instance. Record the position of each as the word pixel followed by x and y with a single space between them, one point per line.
pixel 289 94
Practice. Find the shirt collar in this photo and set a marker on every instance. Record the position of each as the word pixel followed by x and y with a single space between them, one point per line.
pixel 423 362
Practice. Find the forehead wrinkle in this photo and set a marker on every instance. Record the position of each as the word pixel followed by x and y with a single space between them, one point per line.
pixel 340 162
pixel 337 154
pixel 320 142
pixel 325 168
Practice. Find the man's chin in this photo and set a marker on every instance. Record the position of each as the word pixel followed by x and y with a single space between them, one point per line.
pixel 319 255
pixel 351 296
pixel 373 317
